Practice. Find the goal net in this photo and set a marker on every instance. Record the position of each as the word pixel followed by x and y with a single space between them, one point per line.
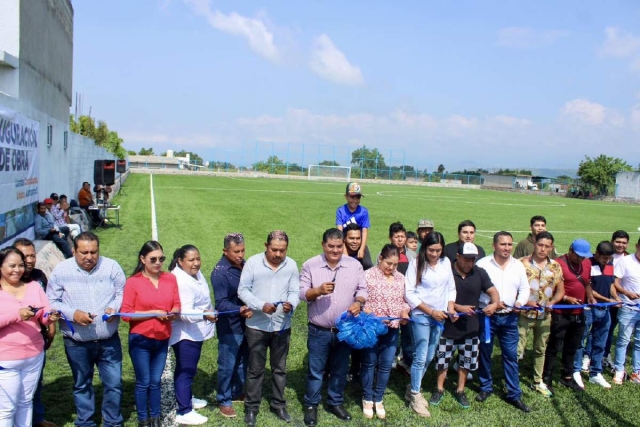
pixel 339 173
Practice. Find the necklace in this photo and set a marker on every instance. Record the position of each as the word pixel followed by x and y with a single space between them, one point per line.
pixel 577 272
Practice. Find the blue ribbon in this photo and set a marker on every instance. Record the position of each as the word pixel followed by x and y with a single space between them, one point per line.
pixel 69 325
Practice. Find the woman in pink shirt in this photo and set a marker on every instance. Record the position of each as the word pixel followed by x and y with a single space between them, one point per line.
pixel 385 286
pixel 21 344
pixel 153 292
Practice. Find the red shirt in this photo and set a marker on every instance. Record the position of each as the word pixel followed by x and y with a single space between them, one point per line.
pixel 141 295
pixel 573 287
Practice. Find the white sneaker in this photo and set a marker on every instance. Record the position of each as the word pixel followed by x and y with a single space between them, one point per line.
pixel 586 363
pixel 191 418
pixel 619 377
pixel 599 380
pixel 469 376
pixel 198 403
pixel 577 377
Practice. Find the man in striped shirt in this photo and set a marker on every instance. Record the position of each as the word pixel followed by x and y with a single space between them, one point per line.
pixel 83 288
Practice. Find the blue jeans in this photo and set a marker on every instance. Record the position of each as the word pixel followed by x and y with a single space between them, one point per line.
pixel 187 357
pixel 596 330
pixel 505 327
pixel 628 324
pixel 148 357
pixel 38 407
pixel 233 360
pixel 323 346
pixel 381 354
pixel 107 356
pixel 406 343
pixel 426 335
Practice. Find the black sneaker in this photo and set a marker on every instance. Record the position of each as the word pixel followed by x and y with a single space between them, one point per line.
pixel 436 397
pixel 571 383
pixel 462 399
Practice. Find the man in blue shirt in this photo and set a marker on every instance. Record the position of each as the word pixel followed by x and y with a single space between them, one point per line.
pixel 232 347
pixel 352 212
pixel 46 229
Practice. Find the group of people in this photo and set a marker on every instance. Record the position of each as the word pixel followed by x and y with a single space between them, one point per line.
pixel 444 301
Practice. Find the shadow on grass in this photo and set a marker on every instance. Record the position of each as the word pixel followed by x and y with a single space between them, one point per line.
pixel 60 408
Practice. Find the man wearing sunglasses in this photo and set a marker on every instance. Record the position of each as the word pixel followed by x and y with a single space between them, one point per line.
pixel 83 288
pixel 352 213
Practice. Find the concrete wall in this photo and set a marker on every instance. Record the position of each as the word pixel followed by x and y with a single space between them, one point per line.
pixel 628 185
pixel 498 181
pixel 46 56
pixel 61 170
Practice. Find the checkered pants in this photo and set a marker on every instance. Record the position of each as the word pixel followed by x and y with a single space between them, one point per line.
pixel 468 352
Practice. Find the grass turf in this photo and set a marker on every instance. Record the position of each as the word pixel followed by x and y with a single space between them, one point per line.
pixel 202 210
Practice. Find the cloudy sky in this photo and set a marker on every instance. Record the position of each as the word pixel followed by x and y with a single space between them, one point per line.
pixel 537 84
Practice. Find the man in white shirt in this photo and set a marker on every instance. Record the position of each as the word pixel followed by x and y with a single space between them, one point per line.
pixel 510 279
pixel 627 272
pixel 620 241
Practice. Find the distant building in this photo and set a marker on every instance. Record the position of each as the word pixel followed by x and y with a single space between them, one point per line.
pixel 628 185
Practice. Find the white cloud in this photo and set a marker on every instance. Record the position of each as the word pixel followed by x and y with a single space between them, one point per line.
pixel 590 113
pixel 528 38
pixel 253 30
pixel 619 44
pixel 328 62
pixel 168 139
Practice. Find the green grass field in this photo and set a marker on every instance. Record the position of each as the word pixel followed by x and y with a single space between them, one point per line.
pixel 202 210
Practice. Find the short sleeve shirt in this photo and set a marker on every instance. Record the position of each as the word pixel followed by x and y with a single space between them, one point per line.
pixel 468 292
pixel 602 278
pixel 345 217
pixel 573 281
pixel 542 282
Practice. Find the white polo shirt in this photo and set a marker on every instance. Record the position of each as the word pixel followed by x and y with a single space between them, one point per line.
pixel 628 270
pixel 511 283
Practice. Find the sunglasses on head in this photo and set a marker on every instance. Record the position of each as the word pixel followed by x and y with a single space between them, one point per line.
pixel 154 259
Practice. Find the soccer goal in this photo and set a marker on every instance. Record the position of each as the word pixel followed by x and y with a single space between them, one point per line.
pixel 338 173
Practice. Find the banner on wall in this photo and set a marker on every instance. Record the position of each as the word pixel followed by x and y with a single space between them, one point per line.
pixel 19 139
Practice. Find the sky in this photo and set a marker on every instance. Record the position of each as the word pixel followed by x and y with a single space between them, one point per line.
pixel 466 84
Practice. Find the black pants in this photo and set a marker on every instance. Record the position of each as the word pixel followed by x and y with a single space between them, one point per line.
pixel 566 332
pixel 278 345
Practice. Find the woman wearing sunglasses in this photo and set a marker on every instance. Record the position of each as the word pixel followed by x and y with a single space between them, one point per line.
pixel 152 295
pixel 189 334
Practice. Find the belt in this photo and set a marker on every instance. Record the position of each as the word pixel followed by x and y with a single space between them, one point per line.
pixel 333 329
pixel 92 341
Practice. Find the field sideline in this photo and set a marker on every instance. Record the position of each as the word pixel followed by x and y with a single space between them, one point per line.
pixel 202 210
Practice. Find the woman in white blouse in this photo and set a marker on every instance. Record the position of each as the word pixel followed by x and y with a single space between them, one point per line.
pixel 190 332
pixel 430 291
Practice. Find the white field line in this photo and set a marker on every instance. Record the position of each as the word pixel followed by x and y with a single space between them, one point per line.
pixel 167 403
pixel 154 224
pixel 550 231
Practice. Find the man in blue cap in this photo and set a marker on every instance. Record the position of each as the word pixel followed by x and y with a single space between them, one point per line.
pixel 567 325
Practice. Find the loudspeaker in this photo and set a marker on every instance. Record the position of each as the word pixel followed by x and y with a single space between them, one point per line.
pixel 104 172
pixel 121 166
pixel 98 172
pixel 109 168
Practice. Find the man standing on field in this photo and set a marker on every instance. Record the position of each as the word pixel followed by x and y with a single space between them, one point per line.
pixel 526 246
pixel 466 233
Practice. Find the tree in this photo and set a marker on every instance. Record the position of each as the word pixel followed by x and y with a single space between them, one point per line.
pixel 600 172
pixel 131 153
pixel 440 168
pixel 101 135
pixel 367 162
pixel 193 157
pixel 329 163
pixel 146 152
